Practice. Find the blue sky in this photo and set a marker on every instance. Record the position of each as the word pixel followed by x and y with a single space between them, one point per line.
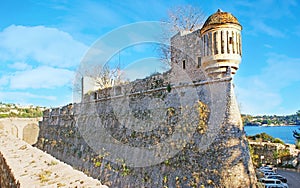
pixel 42 44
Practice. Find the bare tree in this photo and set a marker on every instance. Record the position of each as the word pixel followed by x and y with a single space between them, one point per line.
pixel 186 18
pixel 182 18
pixel 92 77
pixel 108 77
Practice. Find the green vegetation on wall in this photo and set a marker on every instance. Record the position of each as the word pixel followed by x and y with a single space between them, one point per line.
pixel 271 153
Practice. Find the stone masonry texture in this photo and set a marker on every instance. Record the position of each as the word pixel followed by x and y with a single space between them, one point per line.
pixel 217 154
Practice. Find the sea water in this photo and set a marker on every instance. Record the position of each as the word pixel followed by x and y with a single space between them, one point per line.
pixel 285 133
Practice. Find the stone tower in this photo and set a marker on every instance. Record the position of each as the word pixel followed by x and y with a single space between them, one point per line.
pixel 221 44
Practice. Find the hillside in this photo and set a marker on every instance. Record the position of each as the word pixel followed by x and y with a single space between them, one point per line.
pixel 271 120
pixel 14 110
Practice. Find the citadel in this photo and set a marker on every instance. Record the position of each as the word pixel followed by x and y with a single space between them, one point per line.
pixel 181 128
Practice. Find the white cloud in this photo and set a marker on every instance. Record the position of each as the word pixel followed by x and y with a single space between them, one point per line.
pixel 255 99
pixel 263 27
pixel 45 45
pixel 281 70
pixel 27 98
pixel 19 66
pixel 4 80
pixel 23 95
pixel 41 77
pixel 268 46
pixel 142 68
pixel 264 93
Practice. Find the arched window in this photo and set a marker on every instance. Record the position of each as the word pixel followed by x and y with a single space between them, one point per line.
pixel 207 45
pixel 240 44
pixel 222 42
pixel 204 41
pixel 210 44
pixel 183 64
pixel 237 43
pixel 215 43
pixel 229 41
pixel 233 43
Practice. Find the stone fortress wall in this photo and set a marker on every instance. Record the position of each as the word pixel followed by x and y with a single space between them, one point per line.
pixel 217 153
pixel 124 135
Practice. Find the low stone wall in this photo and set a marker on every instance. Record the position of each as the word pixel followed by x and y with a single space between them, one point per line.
pixel 22 165
pixel 273 153
pixel 7 178
pixel 24 128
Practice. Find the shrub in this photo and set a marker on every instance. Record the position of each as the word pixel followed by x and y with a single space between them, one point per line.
pixel 277 140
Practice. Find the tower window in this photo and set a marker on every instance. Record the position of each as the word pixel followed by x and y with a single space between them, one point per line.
pixel 230 40
pixel 199 62
pixel 210 44
pixel 222 42
pixel 215 43
pixel 207 45
pixel 240 44
pixel 204 45
pixel 233 43
pixel 95 96
pixel 237 43
pixel 183 64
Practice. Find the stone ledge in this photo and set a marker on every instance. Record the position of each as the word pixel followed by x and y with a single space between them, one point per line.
pixel 31 167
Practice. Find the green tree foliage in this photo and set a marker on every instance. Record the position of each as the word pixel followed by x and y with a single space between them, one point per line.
pixel 296 134
pixel 254 157
pixel 298 144
pixel 264 137
pixel 282 153
pixel 277 140
pixel 298 113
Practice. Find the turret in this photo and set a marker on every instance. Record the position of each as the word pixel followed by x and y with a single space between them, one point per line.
pixel 221 45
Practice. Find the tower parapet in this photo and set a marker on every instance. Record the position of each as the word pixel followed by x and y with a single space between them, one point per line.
pixel 221 45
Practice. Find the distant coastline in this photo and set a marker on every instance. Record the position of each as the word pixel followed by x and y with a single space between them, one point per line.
pixel 272 120
pixel 18 111
pixel 272 125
